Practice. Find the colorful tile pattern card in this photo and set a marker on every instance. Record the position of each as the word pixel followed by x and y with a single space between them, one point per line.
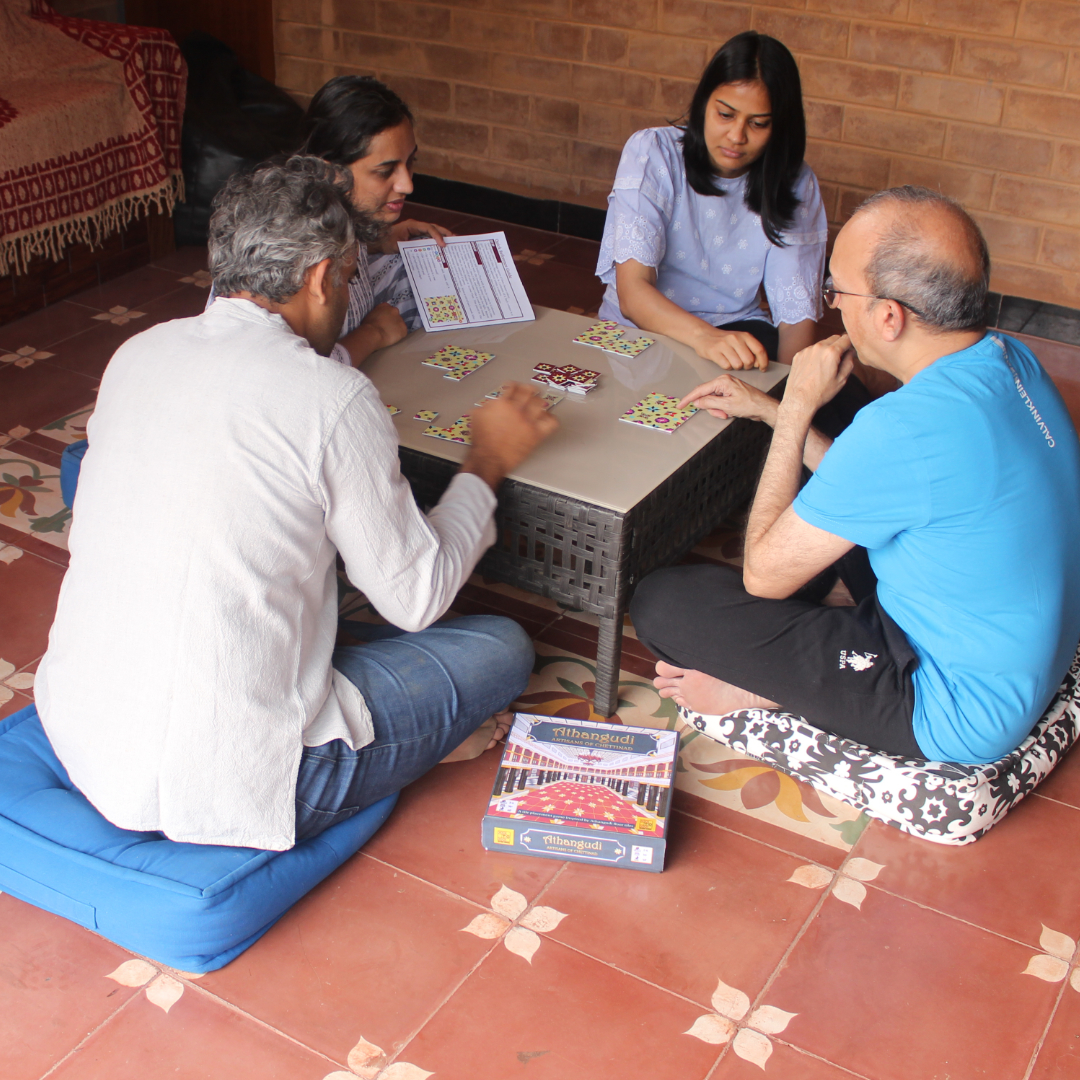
pixel 456 362
pixel 548 396
pixel 599 333
pixel 629 348
pixel 393 410
pixel 658 412
pixel 427 415
pixel 457 432
pixel 568 377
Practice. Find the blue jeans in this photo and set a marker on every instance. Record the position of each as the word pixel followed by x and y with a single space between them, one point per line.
pixel 427 693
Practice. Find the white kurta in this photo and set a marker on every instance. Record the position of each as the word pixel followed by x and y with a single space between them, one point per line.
pixel 189 662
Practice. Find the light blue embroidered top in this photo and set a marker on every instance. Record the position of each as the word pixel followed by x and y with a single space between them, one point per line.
pixel 710 252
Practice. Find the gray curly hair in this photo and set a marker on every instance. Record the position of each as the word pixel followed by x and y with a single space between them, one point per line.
pixel 270 226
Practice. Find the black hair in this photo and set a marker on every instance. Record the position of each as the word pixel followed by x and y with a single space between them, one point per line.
pixel 346 114
pixel 770 182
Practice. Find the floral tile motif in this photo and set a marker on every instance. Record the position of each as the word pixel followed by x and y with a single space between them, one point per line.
pixel 508 920
pixel 563 685
pixel 715 772
pixel 30 500
pixel 749 1036
pixel 119 315
pixel 70 428
pixel 25 356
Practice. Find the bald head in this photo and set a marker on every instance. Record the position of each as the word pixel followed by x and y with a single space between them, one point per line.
pixel 926 251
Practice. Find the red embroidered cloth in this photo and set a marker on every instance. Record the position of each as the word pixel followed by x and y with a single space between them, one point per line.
pixel 90 116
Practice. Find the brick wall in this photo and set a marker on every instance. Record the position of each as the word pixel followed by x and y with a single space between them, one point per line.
pixel 979 98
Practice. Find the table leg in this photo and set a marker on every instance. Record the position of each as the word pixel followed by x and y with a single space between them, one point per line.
pixel 608 653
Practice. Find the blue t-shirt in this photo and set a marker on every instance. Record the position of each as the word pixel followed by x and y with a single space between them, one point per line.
pixel 964 485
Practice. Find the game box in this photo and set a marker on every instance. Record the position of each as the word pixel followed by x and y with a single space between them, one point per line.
pixel 583 791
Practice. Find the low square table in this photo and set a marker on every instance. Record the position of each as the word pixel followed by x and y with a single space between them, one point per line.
pixel 601 503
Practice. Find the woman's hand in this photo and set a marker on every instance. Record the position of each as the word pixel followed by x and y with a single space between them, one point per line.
pixel 733 350
pixel 728 396
pixel 410 230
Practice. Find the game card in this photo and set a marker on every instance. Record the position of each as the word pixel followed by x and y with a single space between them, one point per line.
pixel 457 432
pixel 658 412
pixel 629 348
pixel 427 415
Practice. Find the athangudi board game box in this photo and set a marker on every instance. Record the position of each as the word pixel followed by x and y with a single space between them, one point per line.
pixel 585 791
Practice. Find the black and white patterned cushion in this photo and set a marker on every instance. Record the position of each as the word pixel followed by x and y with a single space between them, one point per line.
pixel 938 801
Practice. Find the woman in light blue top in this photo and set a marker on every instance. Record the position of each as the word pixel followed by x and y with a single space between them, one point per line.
pixel 701 217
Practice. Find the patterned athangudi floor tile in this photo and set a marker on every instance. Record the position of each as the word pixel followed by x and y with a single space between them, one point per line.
pixel 70 428
pixel 30 499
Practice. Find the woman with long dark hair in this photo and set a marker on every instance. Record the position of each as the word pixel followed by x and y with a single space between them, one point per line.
pixel 705 214
pixel 360 124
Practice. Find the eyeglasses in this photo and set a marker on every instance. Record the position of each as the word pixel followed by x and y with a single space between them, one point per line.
pixel 830 294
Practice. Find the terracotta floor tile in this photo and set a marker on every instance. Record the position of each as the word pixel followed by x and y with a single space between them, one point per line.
pixel 573 636
pixel 802 847
pixel 37 448
pixel 53 989
pixel 786 1062
pixel 558 285
pixel 133 290
pixel 476 600
pixel 434 833
pixel 185 302
pixel 575 251
pixel 33 396
pixel 1020 876
pixel 89 353
pixel 29 543
pixel 370 952
pixel 184 260
pixel 1063 783
pixel 44 328
pixel 197 1039
pixel 13 703
pixel 896 992
pixel 563 1016
pixel 1059 1057
pixel 29 586
pixel 450 219
pixel 722 909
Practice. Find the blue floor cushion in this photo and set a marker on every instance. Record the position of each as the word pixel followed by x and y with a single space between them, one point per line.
pixel 191 906
pixel 935 800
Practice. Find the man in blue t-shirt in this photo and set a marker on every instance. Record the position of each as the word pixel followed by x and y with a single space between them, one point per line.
pixel 950 507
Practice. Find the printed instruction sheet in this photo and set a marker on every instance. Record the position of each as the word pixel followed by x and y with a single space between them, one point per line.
pixel 471 282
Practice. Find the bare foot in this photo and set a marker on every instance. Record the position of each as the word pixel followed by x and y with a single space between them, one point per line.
pixel 701 693
pixel 490 733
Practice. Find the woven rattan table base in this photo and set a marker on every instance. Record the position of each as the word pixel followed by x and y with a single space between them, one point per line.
pixel 589 558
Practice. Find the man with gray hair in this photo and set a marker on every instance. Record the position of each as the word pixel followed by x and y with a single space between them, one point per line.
pixel 192 685
pixel 950 507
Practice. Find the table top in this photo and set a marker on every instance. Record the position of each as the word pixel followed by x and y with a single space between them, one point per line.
pixel 593 457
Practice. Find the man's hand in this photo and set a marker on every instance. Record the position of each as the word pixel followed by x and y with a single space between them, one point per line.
pixel 734 350
pixel 505 431
pixel 818 374
pixel 728 396
pixel 385 324
pixel 410 230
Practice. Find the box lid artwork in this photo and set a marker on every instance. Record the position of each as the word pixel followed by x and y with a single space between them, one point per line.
pixel 584 791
